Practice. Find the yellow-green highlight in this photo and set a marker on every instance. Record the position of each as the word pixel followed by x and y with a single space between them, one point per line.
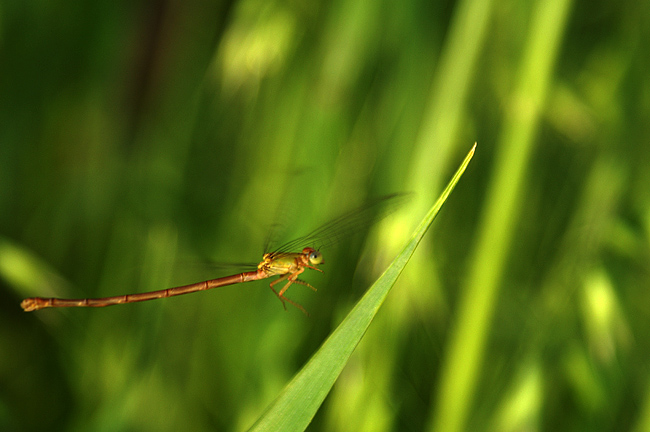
pixel 465 354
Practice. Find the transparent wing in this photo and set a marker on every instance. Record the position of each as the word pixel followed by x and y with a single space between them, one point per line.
pixel 347 224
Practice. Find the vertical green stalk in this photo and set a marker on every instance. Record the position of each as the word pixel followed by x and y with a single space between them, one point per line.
pixel 448 96
pixel 467 342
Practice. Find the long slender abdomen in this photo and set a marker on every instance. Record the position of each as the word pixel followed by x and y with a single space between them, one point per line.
pixel 36 303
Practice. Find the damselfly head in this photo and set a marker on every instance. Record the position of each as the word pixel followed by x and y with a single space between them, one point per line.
pixel 314 256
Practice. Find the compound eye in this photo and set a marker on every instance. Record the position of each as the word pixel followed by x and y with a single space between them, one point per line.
pixel 315 258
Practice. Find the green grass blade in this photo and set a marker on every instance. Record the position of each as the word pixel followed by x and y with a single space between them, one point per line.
pixel 27 273
pixel 298 402
pixel 468 338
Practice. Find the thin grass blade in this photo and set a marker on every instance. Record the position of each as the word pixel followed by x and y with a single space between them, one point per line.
pixel 299 401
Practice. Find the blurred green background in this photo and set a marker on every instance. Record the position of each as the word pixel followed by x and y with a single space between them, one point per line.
pixel 141 140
